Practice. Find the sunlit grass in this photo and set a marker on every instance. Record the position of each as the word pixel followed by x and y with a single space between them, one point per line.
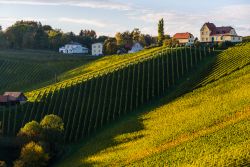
pixel 175 124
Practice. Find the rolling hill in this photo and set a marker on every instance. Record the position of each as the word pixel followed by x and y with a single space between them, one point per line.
pixel 23 70
pixel 206 127
pixel 99 93
pixel 88 101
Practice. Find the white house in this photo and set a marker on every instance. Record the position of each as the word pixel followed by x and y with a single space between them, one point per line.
pixel 73 48
pixel 184 38
pixel 210 33
pixel 97 49
pixel 136 48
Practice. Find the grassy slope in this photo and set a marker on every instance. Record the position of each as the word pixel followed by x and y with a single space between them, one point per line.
pixel 99 67
pixel 25 70
pixel 22 70
pixel 186 130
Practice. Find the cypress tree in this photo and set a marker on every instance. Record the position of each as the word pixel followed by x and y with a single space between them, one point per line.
pixel 161 32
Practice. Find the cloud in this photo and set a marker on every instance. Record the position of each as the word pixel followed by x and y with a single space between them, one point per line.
pixel 82 21
pixel 177 21
pixel 104 4
pixel 8 21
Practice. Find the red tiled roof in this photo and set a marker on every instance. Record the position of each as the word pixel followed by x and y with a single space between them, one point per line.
pixel 182 35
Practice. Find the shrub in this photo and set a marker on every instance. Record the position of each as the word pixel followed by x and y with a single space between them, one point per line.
pixel 32 131
pixel 53 128
pixel 32 155
pixel 3 164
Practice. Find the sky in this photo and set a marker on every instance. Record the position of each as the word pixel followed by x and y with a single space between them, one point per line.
pixel 107 17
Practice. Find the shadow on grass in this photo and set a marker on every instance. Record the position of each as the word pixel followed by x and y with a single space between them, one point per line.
pixel 133 122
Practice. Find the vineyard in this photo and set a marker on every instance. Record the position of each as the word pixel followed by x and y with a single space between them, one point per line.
pixel 206 127
pixel 90 100
pixel 87 102
pixel 27 69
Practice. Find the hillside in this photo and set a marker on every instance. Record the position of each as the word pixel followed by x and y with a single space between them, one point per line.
pixel 88 71
pixel 206 127
pixel 23 70
pixel 89 101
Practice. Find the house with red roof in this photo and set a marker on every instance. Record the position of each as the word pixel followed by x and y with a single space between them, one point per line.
pixel 210 33
pixel 184 38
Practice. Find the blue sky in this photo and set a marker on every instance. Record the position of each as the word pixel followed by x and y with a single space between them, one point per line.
pixel 107 17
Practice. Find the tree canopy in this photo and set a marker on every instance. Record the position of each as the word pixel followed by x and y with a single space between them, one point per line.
pixel 32 155
pixel 32 130
pixel 160 32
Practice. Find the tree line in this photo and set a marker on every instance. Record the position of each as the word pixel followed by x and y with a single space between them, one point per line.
pixel 34 35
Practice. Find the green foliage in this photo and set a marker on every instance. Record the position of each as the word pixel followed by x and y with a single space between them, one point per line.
pixel 53 128
pixel 246 39
pixel 32 155
pixel 161 32
pixel 3 164
pixel 170 42
pixel 109 46
pixel 32 130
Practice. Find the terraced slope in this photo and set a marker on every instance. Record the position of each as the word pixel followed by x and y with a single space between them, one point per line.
pixel 99 67
pixel 23 70
pixel 87 102
pixel 207 127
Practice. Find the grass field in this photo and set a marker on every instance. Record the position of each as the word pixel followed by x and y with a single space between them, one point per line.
pixel 202 128
pixel 23 70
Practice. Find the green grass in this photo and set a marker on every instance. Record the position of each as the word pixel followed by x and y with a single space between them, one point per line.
pixel 23 70
pixel 206 126
pixel 96 68
pixel 87 105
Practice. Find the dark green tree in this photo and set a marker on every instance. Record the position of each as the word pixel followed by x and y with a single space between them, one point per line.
pixel 31 131
pixel 161 32
pixel 32 155
pixel 110 46
pixel 53 128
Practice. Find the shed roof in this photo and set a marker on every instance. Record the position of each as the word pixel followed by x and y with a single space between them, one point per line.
pixel 185 35
pixel 13 94
pixel 3 99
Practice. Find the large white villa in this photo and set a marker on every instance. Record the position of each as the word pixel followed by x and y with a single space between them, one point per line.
pixel 73 48
pixel 210 33
pixel 184 38
pixel 97 49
